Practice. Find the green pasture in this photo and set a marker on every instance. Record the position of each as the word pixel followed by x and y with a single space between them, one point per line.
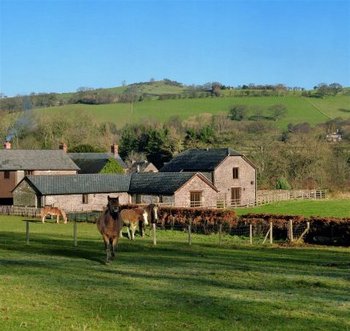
pixel 52 285
pixel 323 208
pixel 299 109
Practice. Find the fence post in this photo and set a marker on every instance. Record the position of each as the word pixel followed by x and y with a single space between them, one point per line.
pixel 189 233
pixel 271 233
pixel 27 232
pixel 290 230
pixel 220 233
pixel 154 225
pixel 75 233
pixel 251 233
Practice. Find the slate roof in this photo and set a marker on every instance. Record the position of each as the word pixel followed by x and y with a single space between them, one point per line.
pixel 16 159
pixel 93 163
pixel 160 183
pixel 198 160
pixel 80 184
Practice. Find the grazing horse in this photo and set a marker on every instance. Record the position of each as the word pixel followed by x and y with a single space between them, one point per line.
pixel 53 211
pixel 109 225
pixel 152 210
pixel 133 218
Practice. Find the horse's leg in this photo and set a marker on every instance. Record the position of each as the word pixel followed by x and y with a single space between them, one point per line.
pixel 43 219
pixel 57 219
pixel 121 233
pixel 133 229
pixel 107 248
pixel 128 228
pixel 112 244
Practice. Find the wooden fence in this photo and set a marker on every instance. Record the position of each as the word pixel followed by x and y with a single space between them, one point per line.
pixel 20 211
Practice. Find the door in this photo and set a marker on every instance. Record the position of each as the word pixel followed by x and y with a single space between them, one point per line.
pixel 236 193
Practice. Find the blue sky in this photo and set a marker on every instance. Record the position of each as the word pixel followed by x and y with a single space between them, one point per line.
pixel 61 45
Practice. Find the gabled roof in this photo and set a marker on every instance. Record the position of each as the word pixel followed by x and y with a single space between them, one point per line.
pixel 202 160
pixel 140 166
pixel 16 159
pixel 162 183
pixel 93 163
pixel 79 184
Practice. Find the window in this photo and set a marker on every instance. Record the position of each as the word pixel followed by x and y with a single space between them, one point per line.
pixel 85 199
pixel 236 196
pixel 6 174
pixel 235 173
pixel 195 199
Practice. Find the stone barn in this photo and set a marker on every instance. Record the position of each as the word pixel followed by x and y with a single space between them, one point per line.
pixel 72 193
pixel 176 189
pixel 232 173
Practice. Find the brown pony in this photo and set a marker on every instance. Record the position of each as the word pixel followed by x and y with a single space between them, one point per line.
pixel 54 211
pixel 109 225
pixel 132 218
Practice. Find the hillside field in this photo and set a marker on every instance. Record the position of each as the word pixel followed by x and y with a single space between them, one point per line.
pixel 299 109
pixel 51 285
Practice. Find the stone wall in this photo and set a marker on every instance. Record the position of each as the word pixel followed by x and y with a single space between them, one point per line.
pixel 196 184
pixel 25 196
pixel 74 202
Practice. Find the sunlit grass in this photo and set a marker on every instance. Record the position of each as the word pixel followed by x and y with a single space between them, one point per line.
pixel 52 285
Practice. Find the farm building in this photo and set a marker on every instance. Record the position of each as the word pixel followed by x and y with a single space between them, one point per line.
pixel 94 163
pixel 177 189
pixel 229 171
pixel 142 166
pixel 16 164
pixel 71 193
pixel 90 191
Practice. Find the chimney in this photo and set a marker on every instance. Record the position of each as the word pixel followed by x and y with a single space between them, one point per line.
pixel 64 147
pixel 7 145
pixel 115 150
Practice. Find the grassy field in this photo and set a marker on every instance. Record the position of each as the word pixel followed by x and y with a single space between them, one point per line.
pixel 51 285
pixel 299 109
pixel 323 208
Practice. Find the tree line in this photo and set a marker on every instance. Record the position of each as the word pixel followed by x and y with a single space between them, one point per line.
pixel 296 157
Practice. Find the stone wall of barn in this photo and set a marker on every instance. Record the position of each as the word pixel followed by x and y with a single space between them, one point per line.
pixel 147 199
pixel 24 196
pixel 74 202
pixel 224 181
pixel 54 172
pixel 195 184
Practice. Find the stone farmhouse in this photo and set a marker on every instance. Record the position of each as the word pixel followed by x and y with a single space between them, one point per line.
pixel 229 171
pixel 16 164
pixel 142 166
pixel 90 191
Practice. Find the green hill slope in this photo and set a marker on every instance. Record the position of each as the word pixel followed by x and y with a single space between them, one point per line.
pixel 299 109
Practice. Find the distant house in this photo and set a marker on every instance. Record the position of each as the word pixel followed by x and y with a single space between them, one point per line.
pixel 94 163
pixel 71 193
pixel 334 137
pixel 232 173
pixel 16 164
pixel 177 189
pixel 142 166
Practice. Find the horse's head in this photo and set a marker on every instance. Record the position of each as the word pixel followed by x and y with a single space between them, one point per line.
pixel 154 212
pixel 113 205
pixel 145 217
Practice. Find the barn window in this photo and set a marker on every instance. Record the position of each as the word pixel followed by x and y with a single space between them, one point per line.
pixel 235 173
pixel 6 174
pixel 195 199
pixel 85 199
